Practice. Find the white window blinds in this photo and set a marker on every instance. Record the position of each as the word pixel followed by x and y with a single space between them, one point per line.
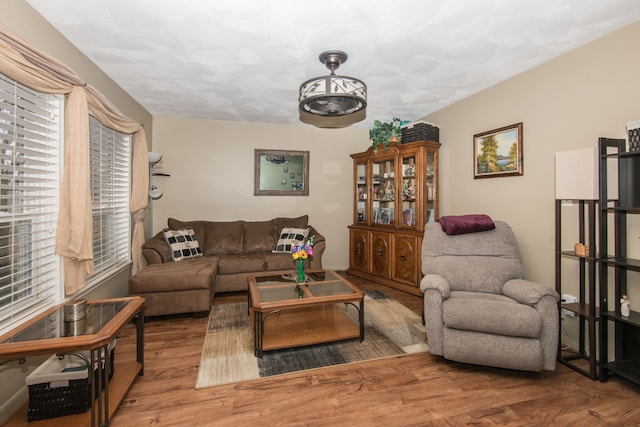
pixel 110 183
pixel 29 180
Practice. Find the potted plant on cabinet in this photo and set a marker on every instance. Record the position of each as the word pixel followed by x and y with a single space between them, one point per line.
pixel 386 132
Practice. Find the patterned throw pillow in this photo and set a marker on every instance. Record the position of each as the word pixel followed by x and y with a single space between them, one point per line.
pixel 290 236
pixel 183 243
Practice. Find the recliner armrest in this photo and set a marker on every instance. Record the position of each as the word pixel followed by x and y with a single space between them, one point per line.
pixel 527 292
pixel 435 281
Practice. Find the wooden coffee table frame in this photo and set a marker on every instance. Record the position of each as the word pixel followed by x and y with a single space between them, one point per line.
pixel 313 319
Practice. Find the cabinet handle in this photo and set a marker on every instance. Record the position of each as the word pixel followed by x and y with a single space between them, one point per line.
pixel 403 257
pixel 358 249
pixel 379 253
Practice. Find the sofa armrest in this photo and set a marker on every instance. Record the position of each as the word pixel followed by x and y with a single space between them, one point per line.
pixel 156 250
pixel 436 289
pixel 319 245
pixel 436 282
pixel 545 300
pixel 526 292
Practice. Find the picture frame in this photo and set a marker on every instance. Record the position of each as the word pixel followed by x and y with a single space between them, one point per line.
pixel 498 152
pixel 385 216
pixel 272 176
pixel 408 217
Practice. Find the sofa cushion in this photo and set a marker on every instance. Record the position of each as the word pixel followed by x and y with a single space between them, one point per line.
pixel 490 313
pixel 183 243
pixel 198 228
pixel 232 264
pixel 299 222
pixel 223 238
pixel 193 273
pixel 291 236
pixel 259 236
pixel 278 261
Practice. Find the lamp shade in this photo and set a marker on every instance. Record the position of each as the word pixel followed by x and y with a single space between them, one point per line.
pixel 577 175
pixel 154 157
pixel 155 192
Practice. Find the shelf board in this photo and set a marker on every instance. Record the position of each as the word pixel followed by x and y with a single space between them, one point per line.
pixel 580 363
pixel 633 319
pixel 626 369
pixel 160 174
pixel 630 263
pixel 582 309
pixel 628 154
pixel 627 209
pixel 572 254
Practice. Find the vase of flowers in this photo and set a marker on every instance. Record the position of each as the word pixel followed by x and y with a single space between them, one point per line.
pixel 300 254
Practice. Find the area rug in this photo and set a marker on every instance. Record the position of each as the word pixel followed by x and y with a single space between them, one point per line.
pixel 391 329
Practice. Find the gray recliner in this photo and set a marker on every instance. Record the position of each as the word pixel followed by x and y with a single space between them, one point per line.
pixel 478 309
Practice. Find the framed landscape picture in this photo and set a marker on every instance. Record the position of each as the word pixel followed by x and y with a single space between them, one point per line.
pixel 498 152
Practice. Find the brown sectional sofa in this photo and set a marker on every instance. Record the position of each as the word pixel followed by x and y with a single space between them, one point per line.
pixel 232 250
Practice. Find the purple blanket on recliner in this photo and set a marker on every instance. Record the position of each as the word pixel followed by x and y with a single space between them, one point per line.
pixel 461 224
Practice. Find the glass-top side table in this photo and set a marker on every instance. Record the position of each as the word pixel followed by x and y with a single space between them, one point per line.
pixel 53 324
pixel 48 333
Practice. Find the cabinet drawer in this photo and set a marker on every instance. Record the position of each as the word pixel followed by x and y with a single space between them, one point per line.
pixel 359 250
pixel 381 254
pixel 406 259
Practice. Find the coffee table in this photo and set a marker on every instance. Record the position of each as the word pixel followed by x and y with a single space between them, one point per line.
pixel 286 315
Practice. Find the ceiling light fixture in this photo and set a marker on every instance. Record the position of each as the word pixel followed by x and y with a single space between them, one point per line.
pixel 330 97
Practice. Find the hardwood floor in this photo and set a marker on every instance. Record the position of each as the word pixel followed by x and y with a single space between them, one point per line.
pixel 414 390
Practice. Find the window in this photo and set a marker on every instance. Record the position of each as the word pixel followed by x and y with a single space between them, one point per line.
pixel 29 181
pixel 110 180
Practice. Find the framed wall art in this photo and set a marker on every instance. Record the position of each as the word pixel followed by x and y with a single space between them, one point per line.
pixel 272 176
pixel 498 152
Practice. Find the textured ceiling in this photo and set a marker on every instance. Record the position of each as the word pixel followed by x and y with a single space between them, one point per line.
pixel 244 60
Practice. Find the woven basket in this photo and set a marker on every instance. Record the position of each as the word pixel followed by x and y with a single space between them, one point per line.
pixel 49 402
pixel 64 387
pixel 420 131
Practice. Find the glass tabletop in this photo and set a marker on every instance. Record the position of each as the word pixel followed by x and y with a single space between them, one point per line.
pixel 312 276
pixel 283 287
pixel 54 325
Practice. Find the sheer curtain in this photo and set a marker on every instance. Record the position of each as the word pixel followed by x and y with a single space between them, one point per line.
pixel 39 71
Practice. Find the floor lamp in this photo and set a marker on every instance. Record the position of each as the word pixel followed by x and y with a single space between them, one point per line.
pixel 154 191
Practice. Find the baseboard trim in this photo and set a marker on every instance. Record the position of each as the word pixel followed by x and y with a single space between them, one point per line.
pixel 15 402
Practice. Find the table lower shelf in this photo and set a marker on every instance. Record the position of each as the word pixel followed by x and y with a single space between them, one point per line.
pixel 125 373
pixel 306 326
pixel 625 369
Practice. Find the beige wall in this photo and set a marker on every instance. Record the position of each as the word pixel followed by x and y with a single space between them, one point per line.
pixel 564 104
pixel 20 18
pixel 212 173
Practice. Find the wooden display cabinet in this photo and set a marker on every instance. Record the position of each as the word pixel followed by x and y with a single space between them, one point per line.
pixel 395 194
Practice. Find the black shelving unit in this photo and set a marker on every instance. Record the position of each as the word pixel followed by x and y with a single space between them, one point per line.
pixel 584 360
pixel 625 360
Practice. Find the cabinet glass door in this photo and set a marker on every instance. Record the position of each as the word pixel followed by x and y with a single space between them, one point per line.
pixel 408 218
pixel 361 193
pixel 430 187
pixel 383 192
